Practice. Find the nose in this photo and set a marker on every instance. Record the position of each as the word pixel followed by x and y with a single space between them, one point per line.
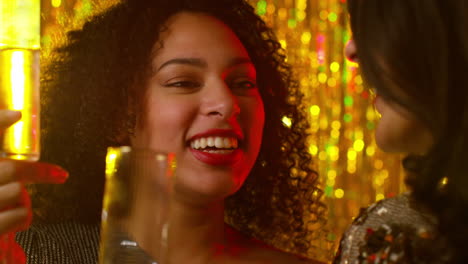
pixel 219 101
pixel 351 51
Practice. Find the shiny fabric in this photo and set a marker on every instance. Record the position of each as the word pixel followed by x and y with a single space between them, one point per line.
pixel 394 230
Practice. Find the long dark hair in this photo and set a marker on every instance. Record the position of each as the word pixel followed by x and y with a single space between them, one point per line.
pixel 415 53
pixel 92 92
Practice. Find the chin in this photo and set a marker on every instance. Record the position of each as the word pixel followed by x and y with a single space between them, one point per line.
pixel 206 187
pixel 388 149
pixel 389 146
pixel 385 144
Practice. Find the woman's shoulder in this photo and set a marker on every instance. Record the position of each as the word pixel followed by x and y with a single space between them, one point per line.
pixel 395 229
pixel 399 209
pixel 244 249
pixel 68 242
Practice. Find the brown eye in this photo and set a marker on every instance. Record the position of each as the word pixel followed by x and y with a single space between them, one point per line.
pixel 183 84
pixel 245 85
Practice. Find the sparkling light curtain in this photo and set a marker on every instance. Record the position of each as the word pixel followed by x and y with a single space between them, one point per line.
pixel 353 172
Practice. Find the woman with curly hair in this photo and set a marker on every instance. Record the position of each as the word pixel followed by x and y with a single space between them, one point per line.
pixel 170 75
pixel 414 53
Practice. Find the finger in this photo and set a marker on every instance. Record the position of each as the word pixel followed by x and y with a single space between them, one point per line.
pixel 25 202
pixel 8 117
pixel 10 195
pixel 16 199
pixel 7 171
pixel 31 172
pixel 13 220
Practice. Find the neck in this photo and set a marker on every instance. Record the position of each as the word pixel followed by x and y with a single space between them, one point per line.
pixel 198 229
pixel 206 221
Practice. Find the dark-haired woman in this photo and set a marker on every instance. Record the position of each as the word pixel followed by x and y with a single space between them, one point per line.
pixel 414 55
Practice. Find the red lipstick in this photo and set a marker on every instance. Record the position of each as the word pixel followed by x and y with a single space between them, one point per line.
pixel 217 159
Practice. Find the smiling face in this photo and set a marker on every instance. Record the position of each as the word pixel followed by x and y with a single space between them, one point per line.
pixel 203 104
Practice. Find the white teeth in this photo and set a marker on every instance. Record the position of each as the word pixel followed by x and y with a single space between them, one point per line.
pixel 219 142
pixel 210 142
pixel 215 142
pixel 203 142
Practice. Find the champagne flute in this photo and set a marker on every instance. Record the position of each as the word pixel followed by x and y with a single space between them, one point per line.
pixel 19 76
pixel 136 206
pixel 19 90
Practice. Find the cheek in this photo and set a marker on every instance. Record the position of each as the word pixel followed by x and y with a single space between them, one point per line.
pixel 396 133
pixel 164 126
pixel 390 130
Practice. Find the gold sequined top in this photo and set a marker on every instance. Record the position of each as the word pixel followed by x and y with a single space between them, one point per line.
pixel 394 230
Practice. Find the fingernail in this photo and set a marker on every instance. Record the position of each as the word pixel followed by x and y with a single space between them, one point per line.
pixel 58 175
pixel 41 172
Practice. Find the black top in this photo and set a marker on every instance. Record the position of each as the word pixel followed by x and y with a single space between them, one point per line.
pixel 65 243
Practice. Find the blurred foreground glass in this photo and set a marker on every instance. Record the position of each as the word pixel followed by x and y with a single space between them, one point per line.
pixel 19 90
pixel 136 206
pixel 19 76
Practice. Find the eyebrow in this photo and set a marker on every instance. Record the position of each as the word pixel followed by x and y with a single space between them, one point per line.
pixel 185 61
pixel 201 63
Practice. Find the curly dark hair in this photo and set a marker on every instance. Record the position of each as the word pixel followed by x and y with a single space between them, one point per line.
pixel 92 90
pixel 419 49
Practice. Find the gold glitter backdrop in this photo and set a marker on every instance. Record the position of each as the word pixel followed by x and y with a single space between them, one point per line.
pixel 353 172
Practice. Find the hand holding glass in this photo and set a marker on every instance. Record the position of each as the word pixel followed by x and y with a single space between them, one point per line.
pixel 19 90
